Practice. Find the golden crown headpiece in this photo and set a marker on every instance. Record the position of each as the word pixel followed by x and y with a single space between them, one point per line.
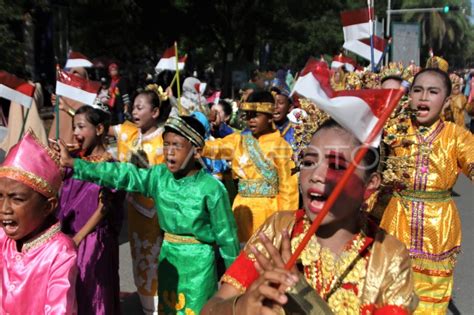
pixel 262 107
pixel 158 91
pixel 370 80
pixel 392 69
pixel 353 80
pixel 437 62
pixel 306 121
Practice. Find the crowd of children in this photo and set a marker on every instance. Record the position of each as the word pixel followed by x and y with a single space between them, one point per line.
pixel 62 206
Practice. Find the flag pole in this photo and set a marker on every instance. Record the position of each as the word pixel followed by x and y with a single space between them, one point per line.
pixel 177 76
pixel 393 98
pixel 172 81
pixel 25 118
pixel 385 52
pixel 371 33
pixel 56 105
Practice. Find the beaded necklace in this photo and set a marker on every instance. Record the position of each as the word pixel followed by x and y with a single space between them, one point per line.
pixel 328 274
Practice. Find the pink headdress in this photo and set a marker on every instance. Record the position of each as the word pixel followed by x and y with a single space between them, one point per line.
pixel 34 165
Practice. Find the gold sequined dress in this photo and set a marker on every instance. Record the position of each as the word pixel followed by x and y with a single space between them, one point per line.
pixel 424 215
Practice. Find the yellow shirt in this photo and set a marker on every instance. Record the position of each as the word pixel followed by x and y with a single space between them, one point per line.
pixel 130 140
pixel 458 105
pixel 424 216
pixel 256 201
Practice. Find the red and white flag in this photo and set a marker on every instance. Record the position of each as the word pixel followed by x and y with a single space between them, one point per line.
pixel 357 111
pixel 15 89
pixel 356 25
pixel 168 61
pixel 77 88
pixel 341 60
pixel 200 87
pixel 214 98
pixel 76 59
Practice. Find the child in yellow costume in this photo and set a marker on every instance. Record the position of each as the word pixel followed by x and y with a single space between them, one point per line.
pixel 141 143
pixel 261 161
pixel 421 212
pixel 457 101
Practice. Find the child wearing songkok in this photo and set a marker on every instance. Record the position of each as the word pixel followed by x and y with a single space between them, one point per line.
pixel 37 261
pixel 193 210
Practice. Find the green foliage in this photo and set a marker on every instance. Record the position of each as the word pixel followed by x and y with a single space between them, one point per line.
pixel 11 52
pixel 223 34
pixel 446 33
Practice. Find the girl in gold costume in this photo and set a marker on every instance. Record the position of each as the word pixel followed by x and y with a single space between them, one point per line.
pixel 421 212
pixel 141 143
pixel 351 264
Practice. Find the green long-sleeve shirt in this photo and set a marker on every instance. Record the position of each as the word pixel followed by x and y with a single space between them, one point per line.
pixel 196 205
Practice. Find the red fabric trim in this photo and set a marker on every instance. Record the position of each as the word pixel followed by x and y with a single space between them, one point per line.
pixel 390 310
pixel 243 270
pixel 298 227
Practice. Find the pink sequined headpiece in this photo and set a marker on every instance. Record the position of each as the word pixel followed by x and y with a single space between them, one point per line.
pixel 33 164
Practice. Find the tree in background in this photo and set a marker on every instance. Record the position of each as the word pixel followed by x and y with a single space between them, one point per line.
pixel 447 33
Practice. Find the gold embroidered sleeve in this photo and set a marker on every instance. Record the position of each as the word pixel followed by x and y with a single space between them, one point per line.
pixel 465 149
pixel 272 228
pixel 389 275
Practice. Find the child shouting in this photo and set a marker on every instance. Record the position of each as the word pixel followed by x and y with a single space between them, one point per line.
pixel 423 214
pixel 37 261
pixel 353 266
pixel 193 209
pixel 261 161
pixel 92 215
pixel 141 143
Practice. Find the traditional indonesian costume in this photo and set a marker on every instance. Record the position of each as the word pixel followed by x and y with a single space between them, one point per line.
pixel 41 279
pixel 98 284
pixel 423 215
pixel 144 232
pixel 287 132
pixel 263 167
pixel 372 272
pixel 194 211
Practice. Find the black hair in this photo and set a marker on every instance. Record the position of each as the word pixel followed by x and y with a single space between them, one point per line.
pixel 226 107
pixel 261 96
pixel 95 116
pixel 192 122
pixel 443 75
pixel 163 106
pixel 371 158
pixel 392 77
pixel 278 92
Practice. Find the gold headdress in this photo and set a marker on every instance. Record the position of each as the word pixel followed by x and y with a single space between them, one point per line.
pixel 456 80
pixel 262 107
pixel 307 119
pixel 353 81
pixel 370 80
pixel 437 62
pixel 397 69
pixel 158 90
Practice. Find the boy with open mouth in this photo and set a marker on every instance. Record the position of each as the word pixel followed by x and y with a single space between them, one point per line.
pixel 37 261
